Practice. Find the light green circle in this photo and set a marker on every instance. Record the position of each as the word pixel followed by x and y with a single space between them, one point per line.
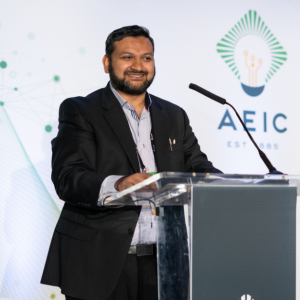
pixel 48 128
pixel 82 50
pixel 3 64
pixel 13 74
pixel 30 36
pixel 15 89
pixel 56 78
pixel 1 103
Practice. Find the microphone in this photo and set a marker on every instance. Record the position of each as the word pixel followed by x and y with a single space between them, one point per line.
pixel 207 93
pixel 221 100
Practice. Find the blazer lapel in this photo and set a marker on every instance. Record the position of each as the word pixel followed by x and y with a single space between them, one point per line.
pixel 117 120
pixel 160 131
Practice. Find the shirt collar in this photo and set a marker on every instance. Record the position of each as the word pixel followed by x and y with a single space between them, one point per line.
pixel 148 101
pixel 122 101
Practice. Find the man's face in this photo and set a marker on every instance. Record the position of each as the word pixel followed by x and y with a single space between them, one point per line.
pixel 131 68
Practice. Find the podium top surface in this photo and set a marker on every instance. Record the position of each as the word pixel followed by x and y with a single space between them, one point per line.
pixel 167 185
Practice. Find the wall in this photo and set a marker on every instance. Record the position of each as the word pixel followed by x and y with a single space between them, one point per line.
pixel 51 50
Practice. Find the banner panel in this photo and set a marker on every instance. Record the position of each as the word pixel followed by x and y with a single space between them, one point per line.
pixel 49 51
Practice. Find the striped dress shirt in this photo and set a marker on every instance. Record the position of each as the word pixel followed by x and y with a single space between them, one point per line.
pixel 140 127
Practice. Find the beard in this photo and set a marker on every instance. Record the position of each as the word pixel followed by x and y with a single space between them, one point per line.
pixel 124 85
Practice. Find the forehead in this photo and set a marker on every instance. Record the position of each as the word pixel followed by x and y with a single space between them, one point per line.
pixel 138 45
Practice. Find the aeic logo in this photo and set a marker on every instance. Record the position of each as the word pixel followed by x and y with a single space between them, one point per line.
pixel 252 52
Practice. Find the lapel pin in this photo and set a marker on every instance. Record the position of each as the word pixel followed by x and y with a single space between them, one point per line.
pixel 174 141
pixel 170 144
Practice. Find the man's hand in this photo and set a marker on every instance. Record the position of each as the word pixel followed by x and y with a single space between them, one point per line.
pixel 128 181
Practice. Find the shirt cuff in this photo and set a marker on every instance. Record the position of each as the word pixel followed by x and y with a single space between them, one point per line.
pixel 108 186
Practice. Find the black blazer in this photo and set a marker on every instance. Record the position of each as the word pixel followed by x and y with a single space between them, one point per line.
pixel 90 243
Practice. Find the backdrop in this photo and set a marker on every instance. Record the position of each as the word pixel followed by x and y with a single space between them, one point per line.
pixel 51 50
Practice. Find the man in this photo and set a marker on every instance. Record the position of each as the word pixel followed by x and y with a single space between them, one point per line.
pixel 107 142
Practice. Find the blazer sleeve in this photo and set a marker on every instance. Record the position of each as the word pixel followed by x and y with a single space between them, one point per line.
pixel 195 160
pixel 74 159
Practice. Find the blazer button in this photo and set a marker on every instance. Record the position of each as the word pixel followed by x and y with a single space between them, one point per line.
pixel 129 231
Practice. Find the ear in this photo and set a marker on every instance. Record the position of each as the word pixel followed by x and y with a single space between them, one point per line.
pixel 105 62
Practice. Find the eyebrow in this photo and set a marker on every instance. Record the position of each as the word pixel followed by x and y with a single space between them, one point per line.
pixel 126 52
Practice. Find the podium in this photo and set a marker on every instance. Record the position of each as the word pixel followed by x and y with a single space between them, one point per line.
pixel 221 236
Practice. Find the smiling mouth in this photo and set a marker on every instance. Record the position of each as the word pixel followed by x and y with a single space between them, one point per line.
pixel 136 75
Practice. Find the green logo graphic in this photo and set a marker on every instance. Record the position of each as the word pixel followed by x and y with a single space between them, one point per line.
pixel 252 52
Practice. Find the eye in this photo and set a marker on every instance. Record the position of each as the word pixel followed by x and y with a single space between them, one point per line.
pixel 148 58
pixel 126 57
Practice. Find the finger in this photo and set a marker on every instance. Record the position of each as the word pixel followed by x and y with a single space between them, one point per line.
pixel 146 175
pixel 153 186
pixel 136 178
pixel 127 185
pixel 143 176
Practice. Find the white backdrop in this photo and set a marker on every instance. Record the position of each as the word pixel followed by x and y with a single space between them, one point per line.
pixel 51 50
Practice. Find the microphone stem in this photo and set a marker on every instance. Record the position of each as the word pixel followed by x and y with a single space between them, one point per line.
pixel 261 153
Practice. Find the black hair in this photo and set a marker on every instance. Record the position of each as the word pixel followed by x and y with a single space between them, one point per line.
pixel 121 33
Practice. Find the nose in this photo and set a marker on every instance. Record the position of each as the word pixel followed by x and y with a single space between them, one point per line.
pixel 137 65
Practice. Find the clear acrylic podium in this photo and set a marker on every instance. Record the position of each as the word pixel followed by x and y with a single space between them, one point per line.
pixel 221 236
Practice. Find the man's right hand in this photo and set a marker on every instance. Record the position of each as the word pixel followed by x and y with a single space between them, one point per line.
pixel 128 181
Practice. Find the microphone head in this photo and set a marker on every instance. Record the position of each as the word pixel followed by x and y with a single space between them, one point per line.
pixel 207 93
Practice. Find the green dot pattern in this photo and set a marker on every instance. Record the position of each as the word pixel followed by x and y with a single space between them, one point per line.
pixel 56 78
pixel 3 64
pixel 1 103
pixel 30 36
pixel 48 128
